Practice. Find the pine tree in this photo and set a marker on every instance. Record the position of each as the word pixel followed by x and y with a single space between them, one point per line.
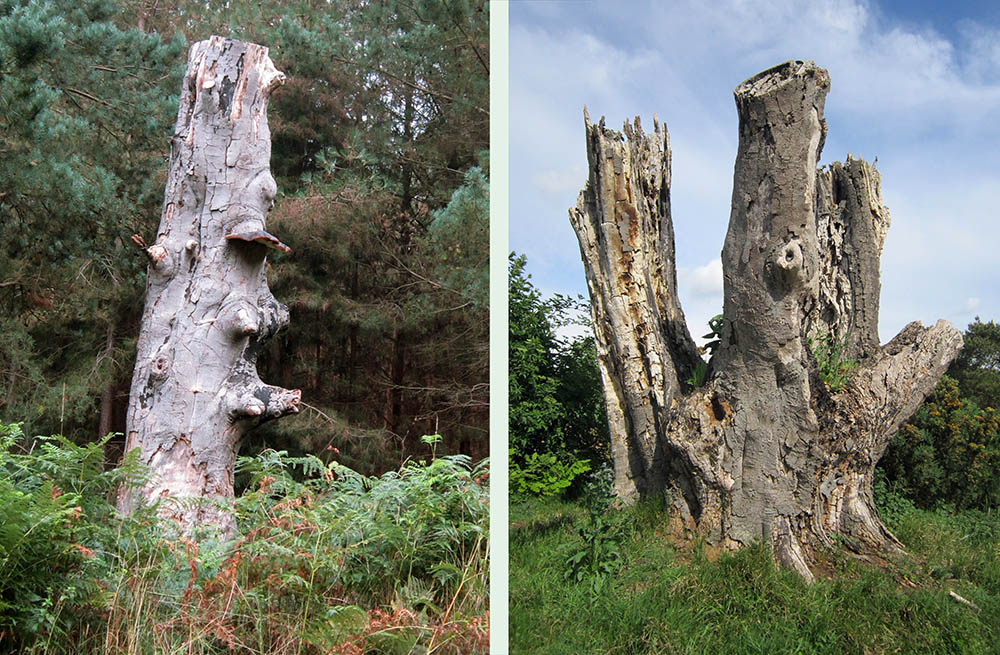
pixel 85 113
pixel 380 151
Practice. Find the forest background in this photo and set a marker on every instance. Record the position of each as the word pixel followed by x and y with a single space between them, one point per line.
pixel 363 521
pixel 380 151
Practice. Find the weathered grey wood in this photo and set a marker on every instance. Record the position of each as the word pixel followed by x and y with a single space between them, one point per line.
pixel 626 236
pixel 195 389
pixel 851 225
pixel 764 451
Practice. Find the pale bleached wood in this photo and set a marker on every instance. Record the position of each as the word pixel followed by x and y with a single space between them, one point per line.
pixel 195 389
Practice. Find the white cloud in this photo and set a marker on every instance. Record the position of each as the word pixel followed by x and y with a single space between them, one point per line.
pixel 703 281
pixel 700 291
pixel 924 104
pixel 561 181
pixel 982 61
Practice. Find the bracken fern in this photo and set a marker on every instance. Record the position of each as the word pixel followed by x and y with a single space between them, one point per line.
pixel 330 561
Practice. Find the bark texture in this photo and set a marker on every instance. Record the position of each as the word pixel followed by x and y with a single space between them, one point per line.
pixel 622 220
pixel 764 450
pixel 195 389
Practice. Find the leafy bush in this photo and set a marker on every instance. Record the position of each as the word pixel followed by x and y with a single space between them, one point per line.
pixel 330 561
pixel 948 452
pixel 544 474
pixel 556 400
pixel 977 368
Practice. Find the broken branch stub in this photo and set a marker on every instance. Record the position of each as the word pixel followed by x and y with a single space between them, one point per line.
pixel 195 389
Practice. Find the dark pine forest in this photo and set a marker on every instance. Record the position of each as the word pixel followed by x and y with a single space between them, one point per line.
pixel 380 151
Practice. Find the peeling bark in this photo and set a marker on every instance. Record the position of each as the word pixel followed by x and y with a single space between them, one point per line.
pixel 764 451
pixel 623 221
pixel 195 389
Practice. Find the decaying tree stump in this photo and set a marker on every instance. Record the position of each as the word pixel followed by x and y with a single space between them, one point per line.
pixel 195 389
pixel 764 450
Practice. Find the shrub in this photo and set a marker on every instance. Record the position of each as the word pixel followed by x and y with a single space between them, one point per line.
pixel 556 400
pixel 948 452
pixel 544 474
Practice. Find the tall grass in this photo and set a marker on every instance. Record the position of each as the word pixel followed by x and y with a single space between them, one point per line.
pixel 330 561
pixel 684 599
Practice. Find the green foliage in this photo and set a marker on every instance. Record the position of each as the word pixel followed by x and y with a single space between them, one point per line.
pixel 535 412
pixel 381 138
pixel 417 525
pixel 330 561
pixel 556 403
pixel 543 474
pixel 699 375
pixel 87 108
pixel 835 368
pixel 891 499
pixel 949 452
pixel 714 333
pixel 580 395
pixel 677 599
pixel 56 518
pixel 977 368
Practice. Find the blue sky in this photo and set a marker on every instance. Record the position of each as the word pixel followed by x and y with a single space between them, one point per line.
pixel 915 84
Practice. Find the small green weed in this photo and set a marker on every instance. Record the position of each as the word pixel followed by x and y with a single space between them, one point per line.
pixel 834 368
pixel 598 555
pixel 699 375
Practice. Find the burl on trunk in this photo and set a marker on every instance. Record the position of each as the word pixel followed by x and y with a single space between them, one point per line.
pixel 195 389
pixel 764 450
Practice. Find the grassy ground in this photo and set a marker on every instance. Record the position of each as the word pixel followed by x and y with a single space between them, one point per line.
pixel 663 599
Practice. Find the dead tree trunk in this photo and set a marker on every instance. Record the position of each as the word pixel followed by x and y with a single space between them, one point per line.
pixel 195 389
pixel 765 450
